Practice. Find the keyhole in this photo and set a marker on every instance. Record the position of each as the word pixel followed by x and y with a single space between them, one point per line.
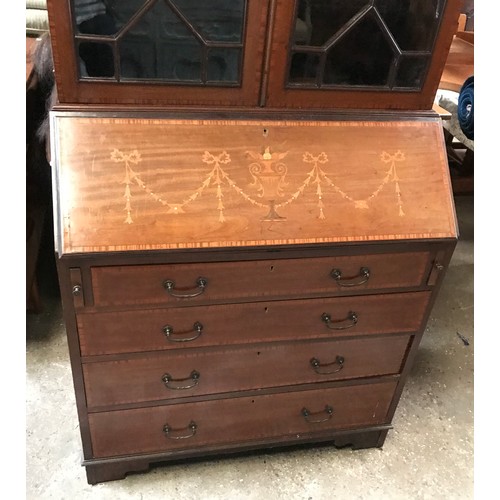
pixel 265 132
pixel 271 268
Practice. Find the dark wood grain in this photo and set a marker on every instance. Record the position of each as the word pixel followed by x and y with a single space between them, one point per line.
pixel 109 469
pixel 228 281
pixel 238 420
pixel 139 379
pixel 143 330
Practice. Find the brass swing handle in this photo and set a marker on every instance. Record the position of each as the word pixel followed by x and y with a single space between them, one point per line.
pixel 169 286
pixel 169 432
pixel 172 383
pixel 362 277
pixel 307 415
pixel 317 366
pixel 169 331
pixel 333 324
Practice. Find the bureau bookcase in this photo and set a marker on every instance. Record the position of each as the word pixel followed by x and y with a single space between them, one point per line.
pixel 253 217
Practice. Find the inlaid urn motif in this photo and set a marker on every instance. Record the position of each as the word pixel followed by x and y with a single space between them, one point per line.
pixel 268 173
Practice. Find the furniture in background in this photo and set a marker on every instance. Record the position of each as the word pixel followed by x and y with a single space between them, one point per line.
pixel 34 216
pixel 253 218
pixel 38 193
pixel 37 19
pixel 458 67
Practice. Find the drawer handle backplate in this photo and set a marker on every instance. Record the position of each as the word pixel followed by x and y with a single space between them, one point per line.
pixel 318 367
pixel 169 286
pixel 172 383
pixel 307 415
pixel 169 331
pixel 168 431
pixel 333 324
pixel 363 277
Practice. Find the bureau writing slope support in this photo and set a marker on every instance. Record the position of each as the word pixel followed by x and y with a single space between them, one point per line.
pixel 231 285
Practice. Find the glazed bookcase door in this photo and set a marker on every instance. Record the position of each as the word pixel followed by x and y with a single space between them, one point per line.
pixel 359 53
pixel 179 52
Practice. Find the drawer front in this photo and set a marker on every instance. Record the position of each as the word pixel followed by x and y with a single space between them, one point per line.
pixel 255 280
pixel 239 420
pixel 201 326
pixel 169 375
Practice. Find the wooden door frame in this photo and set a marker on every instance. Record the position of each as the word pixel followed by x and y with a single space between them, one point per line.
pixel 278 96
pixel 71 90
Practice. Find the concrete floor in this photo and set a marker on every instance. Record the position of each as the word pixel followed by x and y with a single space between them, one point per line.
pixel 428 454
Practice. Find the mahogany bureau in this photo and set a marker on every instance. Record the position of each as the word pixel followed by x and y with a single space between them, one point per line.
pixel 231 285
pixel 253 216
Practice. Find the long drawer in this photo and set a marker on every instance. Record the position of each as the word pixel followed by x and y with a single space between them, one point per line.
pixel 171 284
pixel 238 420
pixel 201 326
pixel 168 375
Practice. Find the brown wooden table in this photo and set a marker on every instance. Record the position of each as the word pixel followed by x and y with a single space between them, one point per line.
pixel 460 66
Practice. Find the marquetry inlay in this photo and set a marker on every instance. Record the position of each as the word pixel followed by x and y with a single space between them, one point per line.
pixel 209 183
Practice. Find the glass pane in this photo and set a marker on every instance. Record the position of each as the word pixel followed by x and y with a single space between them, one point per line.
pixel 362 57
pixel 164 40
pixel 215 20
pixel 359 40
pixel 96 60
pixel 411 71
pixel 413 23
pixel 223 65
pixel 304 68
pixel 318 20
pixel 160 46
pixel 180 62
pixel 93 17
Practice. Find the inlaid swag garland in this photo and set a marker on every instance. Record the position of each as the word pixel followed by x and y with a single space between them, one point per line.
pixel 268 173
